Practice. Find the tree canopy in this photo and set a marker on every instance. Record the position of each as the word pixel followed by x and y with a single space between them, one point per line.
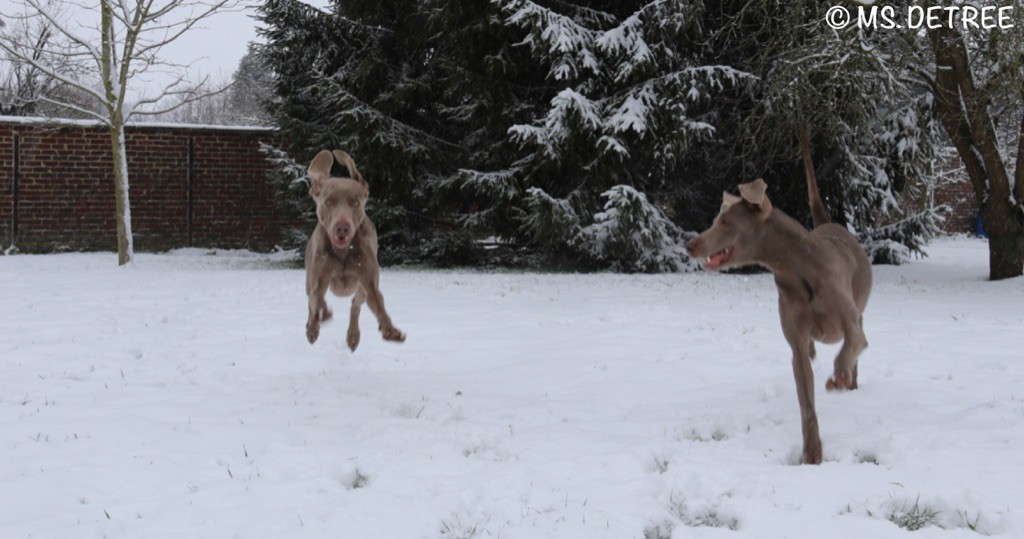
pixel 594 135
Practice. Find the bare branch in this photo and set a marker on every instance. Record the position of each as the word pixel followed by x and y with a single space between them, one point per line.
pixel 174 107
pixel 49 72
pixel 53 19
pixel 105 119
pixel 175 30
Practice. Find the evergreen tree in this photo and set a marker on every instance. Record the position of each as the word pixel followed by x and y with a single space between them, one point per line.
pixel 626 99
pixel 414 90
pixel 567 128
pixel 871 118
pixel 247 99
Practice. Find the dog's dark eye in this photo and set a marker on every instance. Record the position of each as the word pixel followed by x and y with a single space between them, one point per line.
pixel 330 201
pixel 354 202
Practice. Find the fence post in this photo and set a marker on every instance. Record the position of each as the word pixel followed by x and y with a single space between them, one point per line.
pixel 191 186
pixel 16 157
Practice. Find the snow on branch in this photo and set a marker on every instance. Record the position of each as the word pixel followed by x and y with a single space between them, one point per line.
pixel 631 234
pixel 568 45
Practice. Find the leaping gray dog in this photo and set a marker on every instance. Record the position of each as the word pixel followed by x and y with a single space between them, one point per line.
pixel 823 277
pixel 342 250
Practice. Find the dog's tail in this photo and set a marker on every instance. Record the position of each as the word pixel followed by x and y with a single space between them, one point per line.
pixel 817 207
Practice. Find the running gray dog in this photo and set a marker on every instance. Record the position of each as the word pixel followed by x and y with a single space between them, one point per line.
pixel 823 277
pixel 342 250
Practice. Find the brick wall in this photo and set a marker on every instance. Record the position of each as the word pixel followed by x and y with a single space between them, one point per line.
pixel 957 192
pixel 65 193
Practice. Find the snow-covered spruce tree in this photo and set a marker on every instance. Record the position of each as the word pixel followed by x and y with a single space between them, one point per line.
pixel 633 235
pixel 627 97
pixel 291 187
pixel 871 118
pixel 414 92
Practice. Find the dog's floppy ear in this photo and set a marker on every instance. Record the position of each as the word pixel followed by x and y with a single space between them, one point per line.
pixel 350 164
pixel 319 170
pixel 754 195
pixel 728 200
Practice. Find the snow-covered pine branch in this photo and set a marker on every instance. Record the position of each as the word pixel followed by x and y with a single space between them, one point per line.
pixel 633 235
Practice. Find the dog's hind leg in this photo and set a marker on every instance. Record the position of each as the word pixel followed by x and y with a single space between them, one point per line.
pixel 375 300
pixel 353 319
pixel 318 311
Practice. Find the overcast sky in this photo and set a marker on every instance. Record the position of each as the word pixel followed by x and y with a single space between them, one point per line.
pixel 222 43
pixel 216 48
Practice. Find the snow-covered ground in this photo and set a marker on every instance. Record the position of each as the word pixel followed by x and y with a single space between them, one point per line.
pixel 179 398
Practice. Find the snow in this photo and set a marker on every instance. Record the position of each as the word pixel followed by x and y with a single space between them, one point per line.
pixel 632 114
pixel 178 397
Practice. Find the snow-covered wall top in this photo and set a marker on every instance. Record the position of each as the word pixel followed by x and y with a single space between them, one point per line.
pixel 37 120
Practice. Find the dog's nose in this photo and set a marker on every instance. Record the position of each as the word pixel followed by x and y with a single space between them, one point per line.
pixel 342 229
pixel 692 245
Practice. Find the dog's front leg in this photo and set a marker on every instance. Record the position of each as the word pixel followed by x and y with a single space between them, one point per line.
pixel 376 302
pixel 796 324
pixel 804 376
pixel 844 375
pixel 318 311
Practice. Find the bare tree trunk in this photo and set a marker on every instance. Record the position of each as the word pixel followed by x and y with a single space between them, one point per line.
pixel 125 247
pixel 131 33
pixel 966 119
pixel 112 88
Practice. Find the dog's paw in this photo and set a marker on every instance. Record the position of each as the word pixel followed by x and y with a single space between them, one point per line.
pixel 812 451
pixel 392 334
pixel 312 332
pixel 811 458
pixel 352 340
pixel 840 382
pixel 325 314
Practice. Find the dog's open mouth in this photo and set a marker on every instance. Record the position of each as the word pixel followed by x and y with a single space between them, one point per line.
pixel 721 257
pixel 340 242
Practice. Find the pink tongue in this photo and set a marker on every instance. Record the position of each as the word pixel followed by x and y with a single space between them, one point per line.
pixel 716 260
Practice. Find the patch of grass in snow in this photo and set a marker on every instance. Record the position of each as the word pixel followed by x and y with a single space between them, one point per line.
pixel 916 515
pixel 353 479
pixel 359 481
pixel 711 519
pixel 866 458
pixel 454 528
pixel 717 436
pixel 658 464
pixel 659 531
pixel 966 522
pixel 681 513
pixel 913 517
